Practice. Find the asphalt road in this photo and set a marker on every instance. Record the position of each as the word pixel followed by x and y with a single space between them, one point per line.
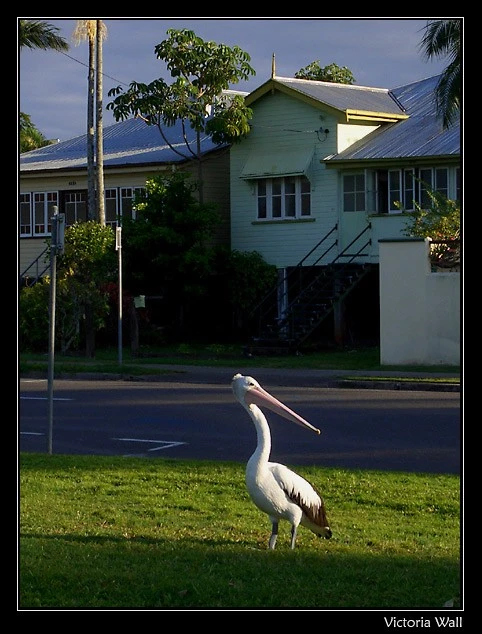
pixel 367 429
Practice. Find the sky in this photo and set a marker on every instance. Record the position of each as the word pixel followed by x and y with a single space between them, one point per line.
pixel 379 52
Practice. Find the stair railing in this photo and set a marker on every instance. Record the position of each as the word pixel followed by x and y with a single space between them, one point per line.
pixel 38 271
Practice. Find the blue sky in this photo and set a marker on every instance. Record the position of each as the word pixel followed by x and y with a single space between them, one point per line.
pixel 380 52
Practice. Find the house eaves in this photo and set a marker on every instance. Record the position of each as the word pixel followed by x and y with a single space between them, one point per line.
pixel 419 137
pixel 346 102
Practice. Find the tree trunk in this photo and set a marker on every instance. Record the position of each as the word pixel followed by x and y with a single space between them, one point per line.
pixel 200 168
pixel 134 330
pixel 89 332
pixel 99 128
pixel 91 204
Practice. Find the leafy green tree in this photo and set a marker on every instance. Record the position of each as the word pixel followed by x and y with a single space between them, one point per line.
pixel 37 34
pixel 167 249
pixel 440 221
pixel 247 279
pixel 331 73
pixel 442 39
pixel 33 316
pixel 87 264
pixel 30 138
pixel 85 272
pixel 201 71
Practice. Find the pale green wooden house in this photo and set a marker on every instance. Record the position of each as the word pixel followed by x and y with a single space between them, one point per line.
pixel 327 171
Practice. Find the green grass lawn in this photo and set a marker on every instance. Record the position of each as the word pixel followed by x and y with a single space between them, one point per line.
pixel 218 355
pixel 112 532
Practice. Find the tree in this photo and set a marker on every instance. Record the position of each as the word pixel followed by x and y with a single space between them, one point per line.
pixel 331 73
pixel 40 35
pixel 441 39
pixel 101 32
pixel 36 34
pixel 201 72
pixel 440 221
pixel 86 270
pixel 30 137
pixel 247 278
pixel 85 267
pixel 94 31
pixel 166 249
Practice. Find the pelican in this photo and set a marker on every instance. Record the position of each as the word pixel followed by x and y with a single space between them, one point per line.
pixel 275 489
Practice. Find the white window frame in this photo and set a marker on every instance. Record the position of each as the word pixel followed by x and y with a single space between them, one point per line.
pixel 358 193
pixel 25 209
pixel 42 204
pixel 402 189
pixel 76 203
pixel 128 193
pixel 111 210
pixel 279 202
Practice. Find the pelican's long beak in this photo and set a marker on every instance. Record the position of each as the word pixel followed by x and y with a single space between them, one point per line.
pixel 259 396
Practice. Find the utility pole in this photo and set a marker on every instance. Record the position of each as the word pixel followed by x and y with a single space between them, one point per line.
pixel 56 247
pixel 118 246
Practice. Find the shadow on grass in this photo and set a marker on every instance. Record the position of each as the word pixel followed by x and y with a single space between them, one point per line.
pixel 72 571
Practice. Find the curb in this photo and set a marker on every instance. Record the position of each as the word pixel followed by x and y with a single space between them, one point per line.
pixel 327 382
pixel 422 386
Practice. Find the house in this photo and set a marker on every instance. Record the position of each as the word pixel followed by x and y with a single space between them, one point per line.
pixel 56 176
pixel 325 174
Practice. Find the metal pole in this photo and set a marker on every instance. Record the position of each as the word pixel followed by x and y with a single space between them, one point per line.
pixel 53 284
pixel 118 246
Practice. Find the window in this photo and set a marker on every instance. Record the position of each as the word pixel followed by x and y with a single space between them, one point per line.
pixel 435 179
pixel 283 198
pixel 398 190
pixel 110 197
pixel 354 192
pixel 401 192
pixel 25 212
pixel 127 195
pixel 43 210
pixel 75 205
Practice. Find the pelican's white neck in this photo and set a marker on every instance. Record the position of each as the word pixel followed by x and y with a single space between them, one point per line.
pixel 263 448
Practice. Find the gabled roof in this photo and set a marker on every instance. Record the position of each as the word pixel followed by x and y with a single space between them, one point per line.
pixel 345 101
pixel 421 135
pixel 129 143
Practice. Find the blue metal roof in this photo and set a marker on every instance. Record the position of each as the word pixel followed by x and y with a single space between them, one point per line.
pixel 134 143
pixel 342 97
pixel 421 135
pixel 131 142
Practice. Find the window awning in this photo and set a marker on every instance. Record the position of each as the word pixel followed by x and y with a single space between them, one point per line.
pixel 266 165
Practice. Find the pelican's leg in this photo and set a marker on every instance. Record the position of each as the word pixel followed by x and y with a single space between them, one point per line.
pixel 274 535
pixel 293 537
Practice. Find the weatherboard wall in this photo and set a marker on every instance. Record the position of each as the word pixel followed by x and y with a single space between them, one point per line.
pixel 216 191
pixel 282 125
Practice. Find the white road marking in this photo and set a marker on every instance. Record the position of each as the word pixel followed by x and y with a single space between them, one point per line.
pixel 166 444
pixel 31 433
pixel 43 398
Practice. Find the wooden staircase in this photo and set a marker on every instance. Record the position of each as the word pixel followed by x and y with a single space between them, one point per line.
pixel 293 311
pixel 35 270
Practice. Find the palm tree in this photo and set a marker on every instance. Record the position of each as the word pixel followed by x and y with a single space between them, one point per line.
pixel 30 137
pixel 85 30
pixel 41 35
pixel 101 32
pixel 442 38
pixel 94 31
pixel 88 30
pixel 37 34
